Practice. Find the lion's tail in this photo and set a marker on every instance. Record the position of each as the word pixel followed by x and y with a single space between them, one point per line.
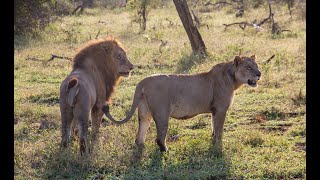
pixel 72 91
pixel 137 96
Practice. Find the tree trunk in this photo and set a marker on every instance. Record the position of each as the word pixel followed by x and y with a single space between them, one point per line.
pixel 142 13
pixel 197 44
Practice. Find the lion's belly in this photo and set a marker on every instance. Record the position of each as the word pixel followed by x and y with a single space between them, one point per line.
pixel 183 111
pixel 190 100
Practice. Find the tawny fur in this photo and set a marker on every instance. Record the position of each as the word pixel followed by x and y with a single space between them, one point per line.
pixel 185 96
pixel 97 68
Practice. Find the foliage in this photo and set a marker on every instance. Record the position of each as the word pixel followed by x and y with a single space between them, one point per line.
pixel 31 16
pixel 265 128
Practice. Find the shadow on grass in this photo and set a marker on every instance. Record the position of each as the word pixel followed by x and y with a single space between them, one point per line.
pixel 62 164
pixel 137 156
pixel 67 163
pixel 185 163
pixel 47 98
pixel 187 62
pixel 189 161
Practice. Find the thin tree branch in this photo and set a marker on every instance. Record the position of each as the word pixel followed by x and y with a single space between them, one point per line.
pixel 97 35
pixel 269 17
pixel 76 9
pixel 33 59
pixel 244 25
pixel 58 57
pixel 217 3
pixel 267 61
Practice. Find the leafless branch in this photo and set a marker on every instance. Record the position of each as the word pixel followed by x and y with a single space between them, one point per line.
pixel 58 57
pixel 217 3
pixel 242 25
pixel 267 61
pixel 275 27
pixel 285 30
pixel 269 17
pixel 33 59
pixel 97 35
pixel 76 9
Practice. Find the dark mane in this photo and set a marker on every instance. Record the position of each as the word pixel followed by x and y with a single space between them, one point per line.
pixel 96 57
pixel 103 45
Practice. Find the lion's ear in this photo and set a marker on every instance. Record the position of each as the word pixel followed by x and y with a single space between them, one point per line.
pixel 237 60
pixel 253 57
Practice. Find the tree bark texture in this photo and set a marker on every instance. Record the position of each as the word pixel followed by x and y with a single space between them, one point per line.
pixel 197 44
pixel 142 13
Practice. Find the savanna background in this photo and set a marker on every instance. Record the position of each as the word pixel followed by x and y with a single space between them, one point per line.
pixel 265 128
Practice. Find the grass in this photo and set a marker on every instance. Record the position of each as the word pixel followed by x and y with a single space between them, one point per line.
pixel 265 128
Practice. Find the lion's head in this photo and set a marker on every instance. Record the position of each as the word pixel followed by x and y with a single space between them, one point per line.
pixel 107 54
pixel 247 71
pixel 122 64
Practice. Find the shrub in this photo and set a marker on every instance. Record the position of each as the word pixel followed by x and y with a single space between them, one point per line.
pixel 31 16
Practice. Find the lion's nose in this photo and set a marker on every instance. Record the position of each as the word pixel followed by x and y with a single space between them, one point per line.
pixel 130 65
pixel 258 74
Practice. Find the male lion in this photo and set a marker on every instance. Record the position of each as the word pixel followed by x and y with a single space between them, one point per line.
pixel 185 96
pixel 96 70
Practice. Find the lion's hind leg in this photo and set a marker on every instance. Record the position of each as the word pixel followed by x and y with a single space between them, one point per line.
pixel 66 120
pixel 144 116
pixel 96 115
pixel 81 116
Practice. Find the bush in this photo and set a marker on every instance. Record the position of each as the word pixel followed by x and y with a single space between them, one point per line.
pixel 33 15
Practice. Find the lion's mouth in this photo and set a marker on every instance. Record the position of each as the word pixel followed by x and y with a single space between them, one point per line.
pixel 252 83
pixel 125 74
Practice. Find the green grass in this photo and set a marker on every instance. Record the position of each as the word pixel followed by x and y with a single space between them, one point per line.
pixel 265 128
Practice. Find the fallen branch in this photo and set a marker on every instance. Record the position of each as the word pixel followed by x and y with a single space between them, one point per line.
pixel 97 35
pixel 76 9
pixel 44 62
pixel 58 57
pixel 285 30
pixel 267 61
pixel 275 27
pixel 33 59
pixel 244 25
pixel 217 3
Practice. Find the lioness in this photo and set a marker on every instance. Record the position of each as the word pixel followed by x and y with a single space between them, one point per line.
pixel 96 70
pixel 185 96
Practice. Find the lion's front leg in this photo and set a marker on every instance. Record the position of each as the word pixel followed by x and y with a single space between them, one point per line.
pixel 218 118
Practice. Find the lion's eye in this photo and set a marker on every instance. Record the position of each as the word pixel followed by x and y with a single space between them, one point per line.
pixel 119 57
pixel 248 67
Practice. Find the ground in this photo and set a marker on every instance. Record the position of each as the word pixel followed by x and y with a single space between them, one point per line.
pixel 265 129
